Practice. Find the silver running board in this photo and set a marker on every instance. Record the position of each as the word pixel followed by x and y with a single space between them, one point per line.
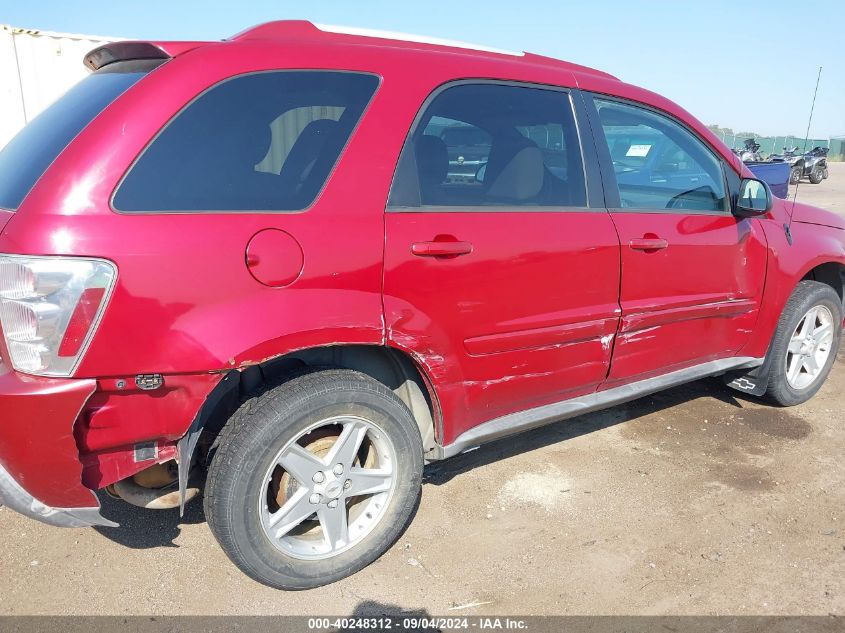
pixel 540 416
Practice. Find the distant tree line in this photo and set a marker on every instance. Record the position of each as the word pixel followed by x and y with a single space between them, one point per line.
pixel 726 131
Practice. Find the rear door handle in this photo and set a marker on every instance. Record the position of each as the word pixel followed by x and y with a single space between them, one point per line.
pixel 441 249
pixel 648 244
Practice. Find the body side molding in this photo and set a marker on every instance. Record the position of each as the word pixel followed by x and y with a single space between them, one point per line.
pixel 532 418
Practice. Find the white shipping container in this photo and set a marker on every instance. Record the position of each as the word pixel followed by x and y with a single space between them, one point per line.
pixel 36 68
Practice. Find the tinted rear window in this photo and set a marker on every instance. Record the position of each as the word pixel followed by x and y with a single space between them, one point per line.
pixel 259 142
pixel 28 155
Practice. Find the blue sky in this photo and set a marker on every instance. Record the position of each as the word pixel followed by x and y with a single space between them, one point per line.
pixel 692 52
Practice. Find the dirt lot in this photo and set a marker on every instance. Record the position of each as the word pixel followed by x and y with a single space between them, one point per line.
pixel 694 501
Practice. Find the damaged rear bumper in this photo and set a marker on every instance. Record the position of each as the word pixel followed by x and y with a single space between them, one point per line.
pixel 40 471
pixel 19 500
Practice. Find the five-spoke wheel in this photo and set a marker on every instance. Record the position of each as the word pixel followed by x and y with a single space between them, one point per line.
pixel 809 347
pixel 314 479
pixel 328 487
pixel 805 343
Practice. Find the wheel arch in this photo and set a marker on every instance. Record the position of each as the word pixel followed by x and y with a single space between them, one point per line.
pixel 389 366
pixel 831 273
pixel 828 271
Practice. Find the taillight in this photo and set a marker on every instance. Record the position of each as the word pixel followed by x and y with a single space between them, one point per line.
pixel 49 309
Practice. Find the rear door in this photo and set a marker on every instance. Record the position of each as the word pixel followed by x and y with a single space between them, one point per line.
pixel 501 262
pixel 692 272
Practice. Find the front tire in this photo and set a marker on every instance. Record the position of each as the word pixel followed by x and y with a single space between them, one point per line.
pixel 805 344
pixel 795 175
pixel 314 479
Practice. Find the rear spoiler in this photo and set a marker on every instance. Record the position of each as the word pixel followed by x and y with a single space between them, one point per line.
pixel 125 51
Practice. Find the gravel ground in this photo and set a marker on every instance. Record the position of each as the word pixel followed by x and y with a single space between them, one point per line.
pixel 693 501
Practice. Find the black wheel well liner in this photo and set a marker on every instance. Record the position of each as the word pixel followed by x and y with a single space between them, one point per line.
pixel 387 365
pixel 832 274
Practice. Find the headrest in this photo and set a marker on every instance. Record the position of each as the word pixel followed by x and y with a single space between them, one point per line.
pixel 521 178
pixel 306 150
pixel 432 160
pixel 310 141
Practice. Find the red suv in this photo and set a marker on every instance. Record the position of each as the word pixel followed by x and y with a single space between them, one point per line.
pixel 261 267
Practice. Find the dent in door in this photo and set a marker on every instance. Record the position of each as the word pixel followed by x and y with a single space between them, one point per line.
pixel 528 315
pixel 695 300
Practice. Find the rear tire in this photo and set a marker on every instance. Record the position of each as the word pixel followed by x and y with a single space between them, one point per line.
pixel 803 350
pixel 281 492
pixel 816 176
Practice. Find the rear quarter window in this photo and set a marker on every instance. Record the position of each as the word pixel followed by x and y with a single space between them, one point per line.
pixel 28 155
pixel 259 142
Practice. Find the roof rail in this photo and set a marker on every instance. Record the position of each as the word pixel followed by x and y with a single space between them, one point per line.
pixel 304 28
pixel 411 37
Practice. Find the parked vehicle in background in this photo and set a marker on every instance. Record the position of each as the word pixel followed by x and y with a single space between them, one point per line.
pixel 250 259
pixel 794 159
pixel 774 174
pixel 750 153
pixel 816 164
pixel 811 165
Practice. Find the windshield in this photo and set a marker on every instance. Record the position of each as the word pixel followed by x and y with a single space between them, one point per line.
pixel 28 155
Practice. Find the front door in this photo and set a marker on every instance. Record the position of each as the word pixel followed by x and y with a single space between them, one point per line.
pixel 692 273
pixel 501 277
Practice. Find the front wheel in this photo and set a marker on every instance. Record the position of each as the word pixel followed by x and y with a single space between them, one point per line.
pixel 805 343
pixel 314 479
pixel 795 175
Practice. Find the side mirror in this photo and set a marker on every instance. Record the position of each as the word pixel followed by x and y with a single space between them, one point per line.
pixel 755 198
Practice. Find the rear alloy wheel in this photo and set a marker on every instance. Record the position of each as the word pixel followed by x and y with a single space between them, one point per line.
pixel 816 176
pixel 328 488
pixel 314 479
pixel 805 344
